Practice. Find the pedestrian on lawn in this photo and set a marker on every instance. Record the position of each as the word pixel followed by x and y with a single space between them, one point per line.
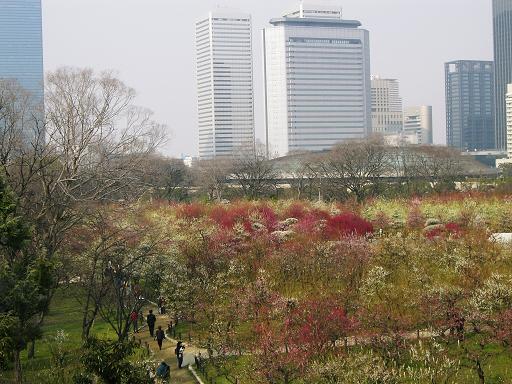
pixel 160 336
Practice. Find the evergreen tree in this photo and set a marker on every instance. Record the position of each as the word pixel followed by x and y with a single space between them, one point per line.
pixel 25 279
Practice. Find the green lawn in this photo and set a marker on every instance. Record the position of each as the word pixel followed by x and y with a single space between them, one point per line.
pixel 236 363
pixel 65 314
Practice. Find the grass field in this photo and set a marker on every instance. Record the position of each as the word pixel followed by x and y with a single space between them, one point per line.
pixel 65 315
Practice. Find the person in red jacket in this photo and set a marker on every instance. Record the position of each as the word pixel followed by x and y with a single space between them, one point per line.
pixel 134 317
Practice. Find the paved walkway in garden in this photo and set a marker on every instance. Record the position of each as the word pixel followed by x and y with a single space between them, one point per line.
pixel 178 376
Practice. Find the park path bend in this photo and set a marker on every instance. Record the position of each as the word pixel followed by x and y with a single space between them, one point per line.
pixel 178 376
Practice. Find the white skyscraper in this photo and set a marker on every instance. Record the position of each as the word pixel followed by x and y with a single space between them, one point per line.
pixel 418 124
pixel 509 120
pixel 387 110
pixel 317 80
pixel 224 84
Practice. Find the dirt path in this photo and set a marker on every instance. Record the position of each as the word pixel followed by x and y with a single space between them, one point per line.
pixel 178 376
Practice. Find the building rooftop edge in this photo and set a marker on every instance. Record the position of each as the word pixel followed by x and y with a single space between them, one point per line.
pixel 330 22
pixel 469 61
pixel 227 13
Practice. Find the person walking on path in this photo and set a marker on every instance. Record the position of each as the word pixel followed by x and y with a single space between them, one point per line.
pixel 163 371
pixel 160 336
pixel 180 351
pixel 134 316
pixel 151 320
pixel 160 304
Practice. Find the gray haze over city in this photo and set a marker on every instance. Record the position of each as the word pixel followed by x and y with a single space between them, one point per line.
pixel 150 43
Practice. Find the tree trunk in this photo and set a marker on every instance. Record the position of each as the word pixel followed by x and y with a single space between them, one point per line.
pixel 31 349
pixel 87 322
pixel 480 371
pixel 18 379
pixel 32 346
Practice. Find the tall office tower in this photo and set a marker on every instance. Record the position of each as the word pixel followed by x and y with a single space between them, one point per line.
pixel 470 105
pixel 225 84
pixel 502 23
pixel 317 80
pixel 418 124
pixel 509 120
pixel 387 110
pixel 21 45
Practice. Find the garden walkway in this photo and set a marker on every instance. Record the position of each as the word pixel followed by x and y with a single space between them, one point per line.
pixel 178 376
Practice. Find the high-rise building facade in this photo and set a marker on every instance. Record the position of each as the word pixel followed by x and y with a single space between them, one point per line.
pixel 225 84
pixel 387 114
pixel 317 80
pixel 418 124
pixel 508 103
pixel 502 25
pixel 21 45
pixel 470 105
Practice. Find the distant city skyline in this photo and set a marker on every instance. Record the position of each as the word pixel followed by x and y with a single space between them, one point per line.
pixel 156 57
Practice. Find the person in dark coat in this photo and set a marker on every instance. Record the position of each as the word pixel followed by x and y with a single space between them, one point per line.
pixel 160 336
pixel 151 320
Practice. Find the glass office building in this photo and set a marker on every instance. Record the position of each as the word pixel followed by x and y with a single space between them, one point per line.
pixel 21 45
pixel 224 84
pixel 470 105
pixel 502 25
pixel 317 80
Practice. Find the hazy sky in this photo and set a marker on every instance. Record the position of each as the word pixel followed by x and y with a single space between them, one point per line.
pixel 151 45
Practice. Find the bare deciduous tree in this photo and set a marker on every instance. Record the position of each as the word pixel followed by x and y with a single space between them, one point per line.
pixel 254 173
pixel 356 166
pixel 109 257
pixel 170 178
pixel 85 147
pixel 212 175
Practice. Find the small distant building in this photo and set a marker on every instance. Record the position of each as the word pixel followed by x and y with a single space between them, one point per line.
pixel 188 161
pixel 400 139
pixel 387 110
pixel 418 124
